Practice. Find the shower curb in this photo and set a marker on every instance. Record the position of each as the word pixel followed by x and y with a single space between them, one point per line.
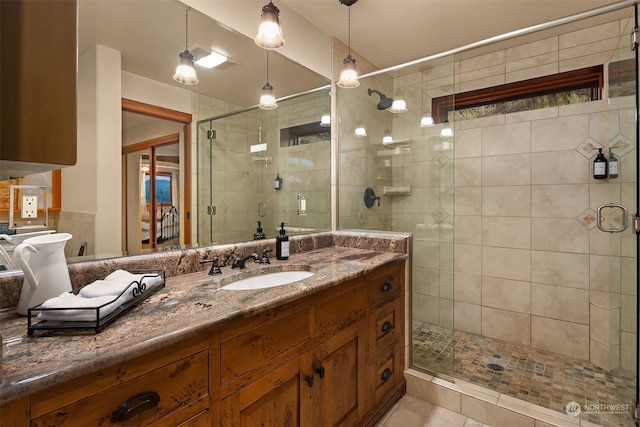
pixel 486 406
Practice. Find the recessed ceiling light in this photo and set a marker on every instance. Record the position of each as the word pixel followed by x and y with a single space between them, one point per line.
pixel 207 58
pixel 212 60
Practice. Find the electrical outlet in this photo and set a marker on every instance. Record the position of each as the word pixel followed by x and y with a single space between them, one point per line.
pixel 29 206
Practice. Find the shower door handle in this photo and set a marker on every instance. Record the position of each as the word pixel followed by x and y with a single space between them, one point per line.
pixel 599 219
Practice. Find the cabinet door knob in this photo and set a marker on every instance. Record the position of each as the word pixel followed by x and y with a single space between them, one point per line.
pixel 386 374
pixel 387 326
pixel 135 405
pixel 320 371
pixel 309 380
pixel 386 287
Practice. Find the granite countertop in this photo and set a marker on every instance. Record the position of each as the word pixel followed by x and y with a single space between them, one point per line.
pixel 187 306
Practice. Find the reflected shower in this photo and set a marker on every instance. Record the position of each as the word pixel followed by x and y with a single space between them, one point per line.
pixel 384 101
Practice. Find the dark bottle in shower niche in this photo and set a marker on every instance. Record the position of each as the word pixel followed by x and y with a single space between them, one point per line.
pixel 600 166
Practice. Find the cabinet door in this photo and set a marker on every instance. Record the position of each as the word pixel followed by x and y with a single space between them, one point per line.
pixel 337 391
pixel 38 87
pixel 273 400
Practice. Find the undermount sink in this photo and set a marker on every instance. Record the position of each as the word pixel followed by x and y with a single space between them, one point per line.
pixel 268 280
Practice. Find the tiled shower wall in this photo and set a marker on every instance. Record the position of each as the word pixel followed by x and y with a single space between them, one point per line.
pixel 528 263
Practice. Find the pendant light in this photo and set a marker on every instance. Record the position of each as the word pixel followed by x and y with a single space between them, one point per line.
pixel 349 74
pixel 270 33
pixel 185 71
pixel 267 98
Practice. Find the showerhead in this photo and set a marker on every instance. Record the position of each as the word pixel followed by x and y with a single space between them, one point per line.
pixel 384 101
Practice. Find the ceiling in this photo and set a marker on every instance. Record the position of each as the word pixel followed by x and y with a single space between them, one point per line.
pixel 151 33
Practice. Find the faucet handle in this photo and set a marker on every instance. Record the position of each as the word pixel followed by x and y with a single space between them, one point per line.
pixel 215 269
pixel 265 258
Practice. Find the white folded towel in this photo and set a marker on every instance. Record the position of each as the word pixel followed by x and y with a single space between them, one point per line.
pixel 78 308
pixel 115 283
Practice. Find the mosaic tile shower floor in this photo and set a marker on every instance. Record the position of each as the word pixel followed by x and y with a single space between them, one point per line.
pixel 538 377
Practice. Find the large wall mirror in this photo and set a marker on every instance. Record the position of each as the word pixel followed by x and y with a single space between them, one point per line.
pixel 222 173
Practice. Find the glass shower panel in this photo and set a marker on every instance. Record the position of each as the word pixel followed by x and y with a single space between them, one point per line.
pixel 613 300
pixel 204 156
pixel 412 173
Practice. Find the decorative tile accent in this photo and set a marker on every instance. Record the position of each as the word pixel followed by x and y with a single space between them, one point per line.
pixel 621 145
pixel 588 218
pixel 542 378
pixel 439 215
pixel 588 148
pixel 225 211
pixel 361 216
pixel 440 160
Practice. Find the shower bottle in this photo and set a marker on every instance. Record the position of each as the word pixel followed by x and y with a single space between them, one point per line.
pixel 600 166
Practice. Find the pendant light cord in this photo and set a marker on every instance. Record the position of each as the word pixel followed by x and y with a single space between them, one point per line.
pixel 349 30
pixel 186 28
pixel 267 65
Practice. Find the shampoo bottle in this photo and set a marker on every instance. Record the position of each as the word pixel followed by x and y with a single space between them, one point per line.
pixel 258 235
pixel 600 166
pixel 282 244
pixel 613 165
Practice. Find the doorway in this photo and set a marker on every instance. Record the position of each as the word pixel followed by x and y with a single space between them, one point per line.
pixel 156 178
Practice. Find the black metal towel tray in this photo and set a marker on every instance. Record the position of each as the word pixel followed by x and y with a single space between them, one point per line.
pixel 139 293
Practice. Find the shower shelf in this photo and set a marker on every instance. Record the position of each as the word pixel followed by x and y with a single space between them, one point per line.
pixel 396 191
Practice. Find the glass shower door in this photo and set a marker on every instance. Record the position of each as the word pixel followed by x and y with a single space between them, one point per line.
pixel 204 217
pixel 614 308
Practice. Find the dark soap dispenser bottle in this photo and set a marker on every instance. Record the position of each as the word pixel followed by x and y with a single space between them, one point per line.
pixel 600 166
pixel 282 243
pixel 258 235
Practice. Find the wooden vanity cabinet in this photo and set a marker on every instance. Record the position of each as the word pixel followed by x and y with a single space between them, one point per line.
pixel 166 388
pixel 38 88
pixel 335 358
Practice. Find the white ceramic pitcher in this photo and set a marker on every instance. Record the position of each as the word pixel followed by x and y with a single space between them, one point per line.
pixel 46 274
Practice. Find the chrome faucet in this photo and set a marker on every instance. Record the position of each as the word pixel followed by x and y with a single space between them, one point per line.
pixel 238 263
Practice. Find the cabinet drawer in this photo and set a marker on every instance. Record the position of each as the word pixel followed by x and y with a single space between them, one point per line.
pixel 385 287
pixel 384 373
pixel 172 393
pixel 385 323
pixel 341 310
pixel 256 347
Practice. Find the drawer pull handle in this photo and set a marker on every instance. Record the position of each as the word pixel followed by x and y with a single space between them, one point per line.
pixel 135 405
pixel 309 380
pixel 386 287
pixel 387 326
pixel 386 374
pixel 320 372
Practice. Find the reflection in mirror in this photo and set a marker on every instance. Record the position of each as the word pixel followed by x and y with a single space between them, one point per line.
pixel 153 171
pixel 246 175
pixel 101 208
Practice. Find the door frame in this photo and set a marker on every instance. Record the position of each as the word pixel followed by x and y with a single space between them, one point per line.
pixel 155 111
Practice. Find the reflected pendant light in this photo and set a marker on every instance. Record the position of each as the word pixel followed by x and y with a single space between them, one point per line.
pixel 270 33
pixel 267 98
pixel 185 71
pixel 349 74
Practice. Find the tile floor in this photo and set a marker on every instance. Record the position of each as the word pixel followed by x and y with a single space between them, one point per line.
pixel 413 412
pixel 545 379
